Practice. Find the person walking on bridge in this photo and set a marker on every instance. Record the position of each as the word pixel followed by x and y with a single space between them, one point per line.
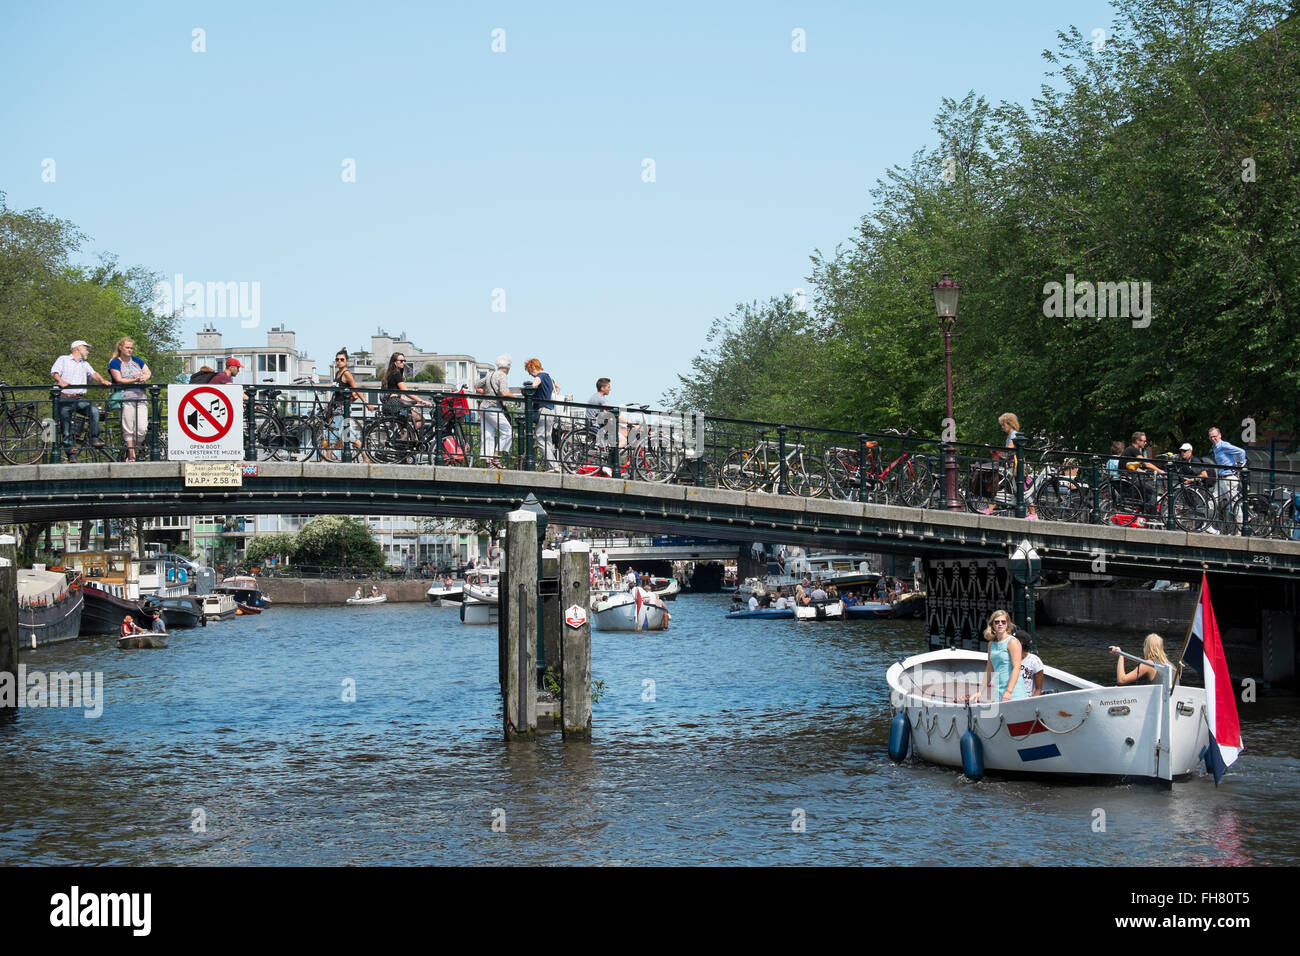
pixel 497 433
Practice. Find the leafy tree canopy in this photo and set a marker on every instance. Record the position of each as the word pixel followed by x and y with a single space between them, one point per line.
pixel 338 541
pixel 1164 156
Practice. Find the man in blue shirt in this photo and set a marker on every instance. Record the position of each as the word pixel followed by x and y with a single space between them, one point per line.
pixel 1227 455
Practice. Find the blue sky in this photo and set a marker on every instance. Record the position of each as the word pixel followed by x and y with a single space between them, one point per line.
pixel 478 171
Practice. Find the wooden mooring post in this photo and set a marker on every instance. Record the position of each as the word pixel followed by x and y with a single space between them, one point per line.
pixel 9 621
pixel 518 601
pixel 575 642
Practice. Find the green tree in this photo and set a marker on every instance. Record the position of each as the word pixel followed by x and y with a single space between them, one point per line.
pixel 430 373
pixel 338 541
pixel 263 546
pixel 1165 155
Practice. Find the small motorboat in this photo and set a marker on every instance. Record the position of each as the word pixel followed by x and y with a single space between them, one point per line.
pixel 1075 728
pixel 479 599
pixel 440 594
pixel 219 606
pixel 820 611
pixel 634 610
pixel 911 604
pixel 869 611
pixel 762 613
pixel 241 608
pixel 147 640
pixel 363 601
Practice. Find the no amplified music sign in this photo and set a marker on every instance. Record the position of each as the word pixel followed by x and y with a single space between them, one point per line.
pixel 206 423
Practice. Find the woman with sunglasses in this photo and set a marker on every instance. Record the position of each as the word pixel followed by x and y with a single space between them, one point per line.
pixel 394 380
pixel 1003 669
pixel 345 394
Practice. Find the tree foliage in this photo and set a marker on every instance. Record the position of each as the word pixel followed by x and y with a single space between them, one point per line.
pixel 46 302
pixel 1165 155
pixel 337 541
pixel 263 546
pixel 430 373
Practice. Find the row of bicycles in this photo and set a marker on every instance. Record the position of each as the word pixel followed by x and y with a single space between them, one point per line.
pixel 638 447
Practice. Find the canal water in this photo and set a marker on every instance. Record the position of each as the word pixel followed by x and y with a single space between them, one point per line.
pixel 716 742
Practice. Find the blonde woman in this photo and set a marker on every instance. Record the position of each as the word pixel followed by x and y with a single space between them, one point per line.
pixel 1010 424
pixel 129 371
pixel 1002 671
pixel 1153 649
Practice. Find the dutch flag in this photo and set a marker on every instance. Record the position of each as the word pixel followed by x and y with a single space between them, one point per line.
pixel 1204 653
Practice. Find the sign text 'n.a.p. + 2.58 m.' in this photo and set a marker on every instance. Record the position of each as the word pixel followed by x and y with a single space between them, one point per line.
pixel 205 423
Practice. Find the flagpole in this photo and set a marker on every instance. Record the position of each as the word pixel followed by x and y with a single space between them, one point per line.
pixel 1200 595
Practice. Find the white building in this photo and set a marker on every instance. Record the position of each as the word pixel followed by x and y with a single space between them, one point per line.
pixel 277 363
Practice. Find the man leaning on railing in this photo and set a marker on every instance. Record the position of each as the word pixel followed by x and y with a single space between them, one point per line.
pixel 1230 458
pixel 70 371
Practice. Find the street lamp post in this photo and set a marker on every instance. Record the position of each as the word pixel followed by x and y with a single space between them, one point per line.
pixel 946 293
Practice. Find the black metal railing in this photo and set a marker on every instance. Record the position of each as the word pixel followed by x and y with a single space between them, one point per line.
pixel 417 425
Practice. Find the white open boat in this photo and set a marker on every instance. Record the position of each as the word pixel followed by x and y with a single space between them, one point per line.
pixel 1075 728
pixel 362 601
pixel 479 596
pixel 440 594
pixel 634 610
pixel 824 611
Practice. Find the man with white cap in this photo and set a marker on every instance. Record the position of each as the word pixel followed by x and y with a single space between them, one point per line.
pixel 497 433
pixel 71 372
pixel 1190 469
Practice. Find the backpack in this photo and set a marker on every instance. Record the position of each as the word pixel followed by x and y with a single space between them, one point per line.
pixel 202 378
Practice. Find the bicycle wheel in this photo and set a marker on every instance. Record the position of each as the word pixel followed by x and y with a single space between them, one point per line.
pixel 915 483
pixel 580 454
pixel 1192 510
pixel 390 441
pixel 302 438
pixel 741 471
pixel 22 438
pixel 658 463
pixel 841 478
pixel 1288 521
pixel 695 471
pixel 806 476
pixel 1060 499
pixel 268 440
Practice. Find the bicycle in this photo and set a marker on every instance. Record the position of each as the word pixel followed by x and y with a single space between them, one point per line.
pixel 908 478
pixel 750 469
pixel 649 454
pixel 394 438
pixel 22 433
pixel 78 434
pixel 1123 502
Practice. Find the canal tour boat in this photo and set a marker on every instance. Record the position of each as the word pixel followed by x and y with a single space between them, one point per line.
pixel 634 610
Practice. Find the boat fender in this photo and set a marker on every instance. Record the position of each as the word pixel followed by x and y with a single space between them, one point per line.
pixel 972 751
pixel 900 737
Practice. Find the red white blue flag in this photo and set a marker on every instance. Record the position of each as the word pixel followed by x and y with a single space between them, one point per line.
pixel 1204 652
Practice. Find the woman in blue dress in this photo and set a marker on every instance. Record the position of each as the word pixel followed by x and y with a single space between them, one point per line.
pixel 1003 669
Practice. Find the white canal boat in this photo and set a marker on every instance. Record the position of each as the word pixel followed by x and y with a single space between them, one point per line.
pixel 219 606
pixel 1075 728
pixel 634 610
pixel 479 596
pixel 366 601
pixel 823 611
